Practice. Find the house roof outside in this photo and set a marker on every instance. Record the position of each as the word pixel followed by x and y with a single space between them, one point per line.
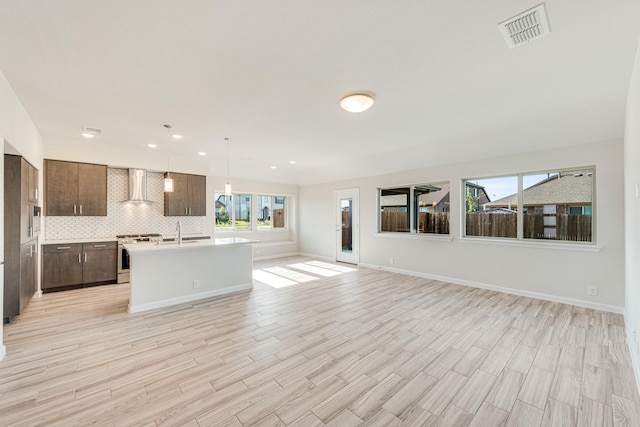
pixel 435 197
pixel 574 187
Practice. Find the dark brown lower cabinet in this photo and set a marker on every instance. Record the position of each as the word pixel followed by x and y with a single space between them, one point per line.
pixel 79 264
pixel 28 271
pixel 61 266
pixel 100 262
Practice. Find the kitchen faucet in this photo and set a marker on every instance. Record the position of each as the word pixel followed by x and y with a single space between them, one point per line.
pixel 179 230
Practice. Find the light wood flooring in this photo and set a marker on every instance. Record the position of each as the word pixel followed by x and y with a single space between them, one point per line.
pixel 327 347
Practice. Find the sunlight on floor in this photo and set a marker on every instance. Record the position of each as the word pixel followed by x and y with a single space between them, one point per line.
pixel 281 277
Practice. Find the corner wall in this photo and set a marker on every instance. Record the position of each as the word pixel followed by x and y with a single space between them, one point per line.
pixel 632 214
pixel 547 272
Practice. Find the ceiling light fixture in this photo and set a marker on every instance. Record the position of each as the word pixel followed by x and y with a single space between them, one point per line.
pixel 90 132
pixel 201 153
pixel 227 186
pixel 152 145
pixel 292 162
pixel 357 102
pixel 176 136
pixel 168 181
pixel 274 167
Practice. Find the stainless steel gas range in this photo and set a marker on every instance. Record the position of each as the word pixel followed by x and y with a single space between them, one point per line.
pixel 123 255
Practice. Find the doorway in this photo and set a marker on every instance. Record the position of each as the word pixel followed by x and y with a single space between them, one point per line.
pixel 347 226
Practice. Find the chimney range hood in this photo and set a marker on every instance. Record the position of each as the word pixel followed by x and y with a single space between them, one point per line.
pixel 138 186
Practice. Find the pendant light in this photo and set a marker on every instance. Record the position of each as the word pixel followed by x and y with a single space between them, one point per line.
pixel 227 186
pixel 168 181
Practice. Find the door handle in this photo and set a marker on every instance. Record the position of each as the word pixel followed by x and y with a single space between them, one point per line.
pixel 80 209
pixel 85 257
pixel 74 209
pixel 79 259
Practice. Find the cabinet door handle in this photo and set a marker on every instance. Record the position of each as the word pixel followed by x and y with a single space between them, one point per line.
pixel 186 211
pixel 85 257
pixel 190 212
pixel 80 209
pixel 63 247
pixel 74 209
pixel 79 259
pixel 99 246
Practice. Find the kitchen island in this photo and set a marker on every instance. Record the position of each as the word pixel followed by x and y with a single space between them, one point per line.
pixel 170 273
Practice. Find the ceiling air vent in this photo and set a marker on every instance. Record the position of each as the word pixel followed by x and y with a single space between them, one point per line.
pixel 527 26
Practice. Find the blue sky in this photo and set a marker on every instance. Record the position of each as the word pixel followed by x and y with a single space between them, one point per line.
pixel 497 188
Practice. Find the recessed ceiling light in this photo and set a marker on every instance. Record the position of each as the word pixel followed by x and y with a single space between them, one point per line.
pixel 152 145
pixel 176 136
pixel 357 102
pixel 201 153
pixel 90 132
pixel 292 162
pixel 274 167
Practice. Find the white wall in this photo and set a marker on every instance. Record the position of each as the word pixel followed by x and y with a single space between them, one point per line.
pixel 550 273
pixel 632 213
pixel 16 129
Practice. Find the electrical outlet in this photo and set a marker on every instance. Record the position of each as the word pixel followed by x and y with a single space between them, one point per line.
pixel 592 291
pixel 391 261
pixel 196 284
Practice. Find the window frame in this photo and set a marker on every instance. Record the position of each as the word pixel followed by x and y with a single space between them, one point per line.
pixel 253 206
pixel 272 201
pixel 520 239
pixel 412 210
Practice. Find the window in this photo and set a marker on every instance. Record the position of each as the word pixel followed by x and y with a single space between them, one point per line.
pixel 271 212
pixel 420 209
pixel 242 209
pixel 233 212
pixel 483 219
pixel 224 213
pixel 556 205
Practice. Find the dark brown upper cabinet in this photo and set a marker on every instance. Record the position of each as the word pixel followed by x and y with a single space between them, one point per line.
pixel 189 196
pixel 75 189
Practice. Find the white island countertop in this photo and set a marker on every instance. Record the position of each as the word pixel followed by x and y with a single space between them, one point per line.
pixel 168 273
pixel 146 247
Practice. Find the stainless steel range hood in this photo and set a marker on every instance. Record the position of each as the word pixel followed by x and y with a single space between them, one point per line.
pixel 138 186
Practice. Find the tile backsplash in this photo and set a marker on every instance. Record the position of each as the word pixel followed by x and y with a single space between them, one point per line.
pixel 123 217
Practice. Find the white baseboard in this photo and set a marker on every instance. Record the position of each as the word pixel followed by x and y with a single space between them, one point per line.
pixel 324 258
pixel 266 257
pixel 188 298
pixel 519 292
pixel 3 351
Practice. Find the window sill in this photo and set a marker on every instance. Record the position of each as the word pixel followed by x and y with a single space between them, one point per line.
pixel 587 247
pixel 416 236
pixel 273 230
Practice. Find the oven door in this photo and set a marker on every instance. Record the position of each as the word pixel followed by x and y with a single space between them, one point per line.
pixel 123 265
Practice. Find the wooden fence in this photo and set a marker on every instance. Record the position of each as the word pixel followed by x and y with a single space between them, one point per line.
pixel 278 218
pixel 428 222
pixel 575 228
pixel 346 231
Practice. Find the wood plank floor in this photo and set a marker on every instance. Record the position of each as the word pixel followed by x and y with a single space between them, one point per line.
pixel 324 344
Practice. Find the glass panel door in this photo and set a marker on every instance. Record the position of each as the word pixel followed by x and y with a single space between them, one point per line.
pixel 347 233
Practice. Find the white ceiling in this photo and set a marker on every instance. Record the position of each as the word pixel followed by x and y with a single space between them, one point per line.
pixel 269 74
